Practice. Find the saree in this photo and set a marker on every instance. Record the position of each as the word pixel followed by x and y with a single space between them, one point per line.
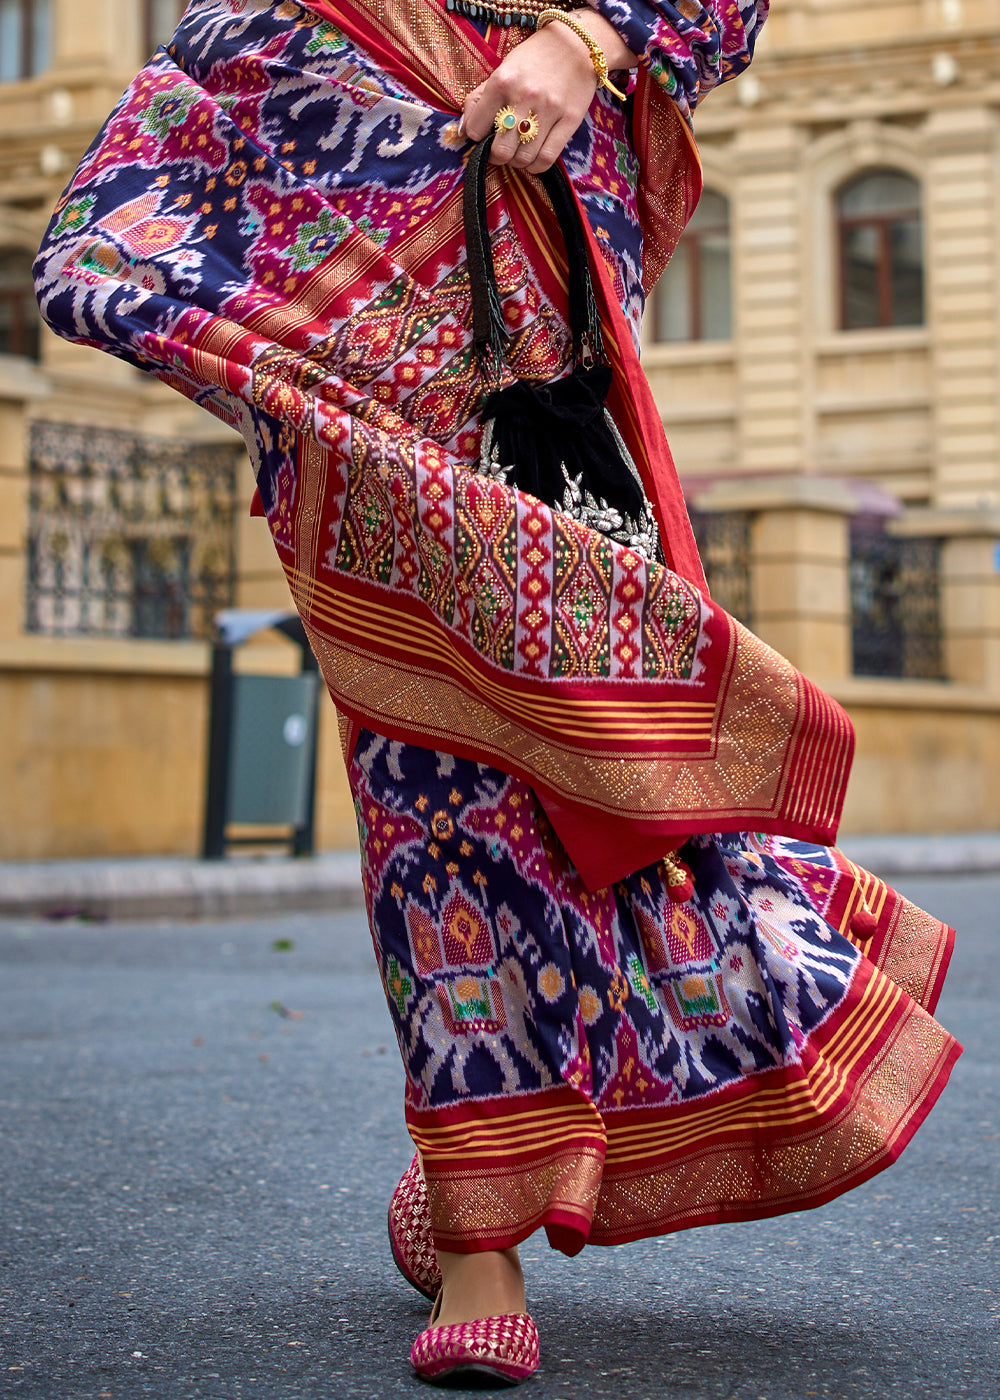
pixel 532 714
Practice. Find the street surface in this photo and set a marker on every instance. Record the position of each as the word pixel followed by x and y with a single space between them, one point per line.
pixel 202 1124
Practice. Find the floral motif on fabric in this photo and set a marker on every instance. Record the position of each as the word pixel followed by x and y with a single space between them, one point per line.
pixel 514 977
pixel 688 47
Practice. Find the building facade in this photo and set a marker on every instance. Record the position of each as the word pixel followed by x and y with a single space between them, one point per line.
pixel 825 349
pixel 126 522
pixel 856 168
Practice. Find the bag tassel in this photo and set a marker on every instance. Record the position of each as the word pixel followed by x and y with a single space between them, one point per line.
pixel 680 880
pixel 863 922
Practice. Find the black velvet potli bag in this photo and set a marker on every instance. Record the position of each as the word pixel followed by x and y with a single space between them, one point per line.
pixel 556 440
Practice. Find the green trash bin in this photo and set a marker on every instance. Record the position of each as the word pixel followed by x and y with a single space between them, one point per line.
pixel 262 741
pixel 270 749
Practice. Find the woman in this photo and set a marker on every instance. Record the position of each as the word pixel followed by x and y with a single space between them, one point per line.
pixel 615 1021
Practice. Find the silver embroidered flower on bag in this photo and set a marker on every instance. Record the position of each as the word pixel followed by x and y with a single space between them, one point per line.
pixel 640 534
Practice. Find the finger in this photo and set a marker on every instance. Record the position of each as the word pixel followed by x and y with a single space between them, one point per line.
pixel 507 143
pixel 546 152
pixel 477 113
pixel 528 152
pixel 504 149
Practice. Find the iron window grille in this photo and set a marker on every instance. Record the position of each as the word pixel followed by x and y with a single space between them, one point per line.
pixel 128 536
pixel 895 604
pixel 723 539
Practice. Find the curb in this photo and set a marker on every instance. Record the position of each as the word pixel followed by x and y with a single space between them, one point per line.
pixel 179 889
pixel 243 886
pixel 957 853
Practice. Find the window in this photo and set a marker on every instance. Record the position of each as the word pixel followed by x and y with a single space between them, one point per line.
pixel 25 38
pixel 128 536
pixel 160 18
pixel 19 319
pixel 895 603
pixel 881 251
pixel 694 298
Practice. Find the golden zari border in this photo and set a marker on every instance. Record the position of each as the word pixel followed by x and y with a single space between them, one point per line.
pixel 490 1176
pixel 495 1202
pixel 784 1139
pixel 390 695
pixel 736 778
pixel 766 1168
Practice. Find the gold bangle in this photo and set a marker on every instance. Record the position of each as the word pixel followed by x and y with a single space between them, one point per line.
pixel 596 52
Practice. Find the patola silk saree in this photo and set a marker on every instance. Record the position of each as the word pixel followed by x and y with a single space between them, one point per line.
pixel 199 241
pixel 533 715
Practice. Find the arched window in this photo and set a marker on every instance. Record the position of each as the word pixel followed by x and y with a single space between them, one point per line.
pixel 19 319
pixel 694 299
pixel 160 18
pixel 25 38
pixel 881 251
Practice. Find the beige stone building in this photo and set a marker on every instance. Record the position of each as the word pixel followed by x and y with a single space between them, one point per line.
pixel 854 371
pixel 125 522
pixel 825 349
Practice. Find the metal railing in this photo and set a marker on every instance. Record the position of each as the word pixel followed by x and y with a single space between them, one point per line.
pixel 723 539
pixel 895 605
pixel 128 536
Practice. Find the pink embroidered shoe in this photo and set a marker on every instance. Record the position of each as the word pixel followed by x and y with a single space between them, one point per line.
pixel 410 1237
pixel 504 1348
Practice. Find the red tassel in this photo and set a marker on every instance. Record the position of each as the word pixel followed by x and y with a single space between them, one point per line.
pixel 680 881
pixel 863 922
pixel 680 894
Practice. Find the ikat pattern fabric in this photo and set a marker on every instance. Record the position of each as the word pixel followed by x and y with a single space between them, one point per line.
pixel 534 590
pixel 178 219
pixel 504 976
pixel 254 203
pixel 689 48
pixel 267 223
pixel 270 222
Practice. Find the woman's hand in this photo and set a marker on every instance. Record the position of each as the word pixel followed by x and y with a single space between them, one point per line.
pixel 551 75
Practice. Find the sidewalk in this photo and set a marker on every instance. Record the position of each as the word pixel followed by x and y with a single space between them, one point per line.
pixel 179 888
pixel 175 887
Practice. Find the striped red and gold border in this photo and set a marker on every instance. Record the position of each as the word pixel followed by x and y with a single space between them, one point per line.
pixel 782 1140
pixel 752 745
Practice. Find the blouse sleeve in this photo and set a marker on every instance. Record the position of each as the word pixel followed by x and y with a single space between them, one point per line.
pixel 688 47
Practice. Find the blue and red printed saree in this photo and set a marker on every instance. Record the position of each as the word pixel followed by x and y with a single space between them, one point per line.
pixel 532 714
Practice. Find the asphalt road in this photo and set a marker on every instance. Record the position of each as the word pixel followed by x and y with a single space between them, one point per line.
pixel 200 1133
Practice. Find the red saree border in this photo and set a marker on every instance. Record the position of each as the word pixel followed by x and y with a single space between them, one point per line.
pixel 902 931
pixel 641 752
pixel 807 1161
pixel 550 1146
pixel 791 1138
pixel 418 67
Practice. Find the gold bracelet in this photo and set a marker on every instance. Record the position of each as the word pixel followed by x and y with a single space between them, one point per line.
pixel 596 52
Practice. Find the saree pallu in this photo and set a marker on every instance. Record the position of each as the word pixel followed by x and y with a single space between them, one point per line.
pixel 270 221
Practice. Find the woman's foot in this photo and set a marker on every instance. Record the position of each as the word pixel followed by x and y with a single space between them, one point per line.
pixel 479 1326
pixel 490 1284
